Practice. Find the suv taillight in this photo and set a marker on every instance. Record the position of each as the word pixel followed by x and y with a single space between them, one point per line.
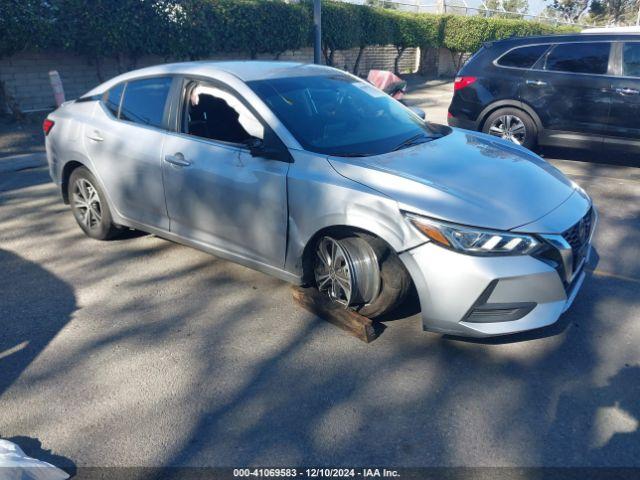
pixel 47 125
pixel 463 82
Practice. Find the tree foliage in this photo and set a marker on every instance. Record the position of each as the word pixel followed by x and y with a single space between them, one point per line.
pixel 194 29
pixel 467 34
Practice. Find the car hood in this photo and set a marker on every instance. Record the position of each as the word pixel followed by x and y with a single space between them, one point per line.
pixel 466 178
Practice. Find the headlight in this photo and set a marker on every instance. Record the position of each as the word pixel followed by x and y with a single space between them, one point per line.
pixel 474 241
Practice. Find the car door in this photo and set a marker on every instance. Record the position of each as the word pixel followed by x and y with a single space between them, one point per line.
pixel 569 90
pixel 124 142
pixel 218 190
pixel 623 128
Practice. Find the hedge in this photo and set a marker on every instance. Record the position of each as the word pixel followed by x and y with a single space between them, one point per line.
pixel 193 29
pixel 467 34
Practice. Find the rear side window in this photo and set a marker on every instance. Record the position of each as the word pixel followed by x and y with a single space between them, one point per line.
pixel 631 60
pixel 523 57
pixel 144 101
pixel 112 100
pixel 579 58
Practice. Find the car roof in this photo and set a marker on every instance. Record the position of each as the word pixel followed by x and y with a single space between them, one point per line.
pixel 245 70
pixel 574 37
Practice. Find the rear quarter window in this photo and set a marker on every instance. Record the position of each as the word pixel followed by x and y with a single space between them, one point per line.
pixel 522 57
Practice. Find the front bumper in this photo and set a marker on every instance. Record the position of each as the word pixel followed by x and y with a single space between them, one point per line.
pixel 486 296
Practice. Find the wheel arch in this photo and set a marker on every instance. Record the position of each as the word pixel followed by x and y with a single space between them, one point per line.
pixel 67 170
pixel 488 110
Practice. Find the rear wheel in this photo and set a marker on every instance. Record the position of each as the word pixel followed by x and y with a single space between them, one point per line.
pixel 360 272
pixel 89 206
pixel 513 125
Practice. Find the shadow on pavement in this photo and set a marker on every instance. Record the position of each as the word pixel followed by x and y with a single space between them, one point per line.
pixel 34 306
pixel 32 447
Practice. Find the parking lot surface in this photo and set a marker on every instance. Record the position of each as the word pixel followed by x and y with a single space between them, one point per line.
pixel 142 352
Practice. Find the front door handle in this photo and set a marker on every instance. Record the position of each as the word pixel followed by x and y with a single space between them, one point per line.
pixel 536 83
pixel 177 159
pixel 95 136
pixel 627 91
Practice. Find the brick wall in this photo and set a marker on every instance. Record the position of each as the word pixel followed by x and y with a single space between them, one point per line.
pixel 26 75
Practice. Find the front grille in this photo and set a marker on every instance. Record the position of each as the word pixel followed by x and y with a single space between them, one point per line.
pixel 567 252
pixel 578 237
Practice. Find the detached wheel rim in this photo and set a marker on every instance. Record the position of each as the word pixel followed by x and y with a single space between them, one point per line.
pixel 333 275
pixel 87 203
pixel 347 270
pixel 509 127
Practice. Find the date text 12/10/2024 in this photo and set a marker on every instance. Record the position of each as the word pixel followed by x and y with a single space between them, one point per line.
pixel 315 473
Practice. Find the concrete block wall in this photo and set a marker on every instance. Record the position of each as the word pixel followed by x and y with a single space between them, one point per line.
pixel 26 75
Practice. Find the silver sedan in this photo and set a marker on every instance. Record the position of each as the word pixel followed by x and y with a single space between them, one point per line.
pixel 314 176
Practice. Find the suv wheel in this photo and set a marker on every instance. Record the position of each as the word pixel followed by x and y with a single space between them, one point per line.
pixel 513 125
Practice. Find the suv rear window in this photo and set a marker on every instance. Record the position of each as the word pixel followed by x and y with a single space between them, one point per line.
pixel 523 57
pixel 579 58
pixel 144 101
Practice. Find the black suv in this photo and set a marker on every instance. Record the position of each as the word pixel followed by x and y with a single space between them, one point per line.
pixel 579 90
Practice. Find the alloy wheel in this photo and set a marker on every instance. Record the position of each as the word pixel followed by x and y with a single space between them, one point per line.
pixel 87 202
pixel 509 127
pixel 347 270
pixel 333 275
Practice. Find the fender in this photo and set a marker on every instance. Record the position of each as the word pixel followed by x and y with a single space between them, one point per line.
pixel 319 198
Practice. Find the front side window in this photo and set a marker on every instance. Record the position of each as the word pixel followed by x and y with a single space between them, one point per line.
pixel 579 58
pixel 112 99
pixel 217 114
pixel 631 60
pixel 523 57
pixel 144 101
pixel 340 115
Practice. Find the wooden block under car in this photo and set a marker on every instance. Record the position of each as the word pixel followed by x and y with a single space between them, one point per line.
pixel 357 325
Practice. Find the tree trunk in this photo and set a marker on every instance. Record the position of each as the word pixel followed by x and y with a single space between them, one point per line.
pixel 356 66
pixel 7 102
pixel 98 61
pixel 328 54
pixel 396 62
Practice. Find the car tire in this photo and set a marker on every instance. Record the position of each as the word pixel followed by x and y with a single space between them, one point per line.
pixel 514 125
pixel 378 279
pixel 89 205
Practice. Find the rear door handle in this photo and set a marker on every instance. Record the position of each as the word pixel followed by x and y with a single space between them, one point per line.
pixel 95 136
pixel 177 159
pixel 627 91
pixel 536 83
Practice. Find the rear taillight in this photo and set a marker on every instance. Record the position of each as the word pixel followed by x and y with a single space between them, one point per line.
pixel 47 125
pixel 462 82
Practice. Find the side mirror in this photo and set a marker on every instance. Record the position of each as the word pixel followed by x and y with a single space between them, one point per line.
pixel 418 111
pixel 257 148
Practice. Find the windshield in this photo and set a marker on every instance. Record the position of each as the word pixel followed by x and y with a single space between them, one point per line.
pixel 339 115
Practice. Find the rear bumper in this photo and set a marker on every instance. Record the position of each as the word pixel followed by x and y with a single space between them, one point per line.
pixel 486 296
pixel 462 123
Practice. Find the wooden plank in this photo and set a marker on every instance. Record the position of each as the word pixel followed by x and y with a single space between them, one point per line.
pixel 352 322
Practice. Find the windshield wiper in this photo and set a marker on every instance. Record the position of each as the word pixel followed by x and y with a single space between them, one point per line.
pixel 352 154
pixel 416 140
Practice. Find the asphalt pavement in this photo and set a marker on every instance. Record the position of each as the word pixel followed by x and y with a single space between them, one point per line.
pixel 142 352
